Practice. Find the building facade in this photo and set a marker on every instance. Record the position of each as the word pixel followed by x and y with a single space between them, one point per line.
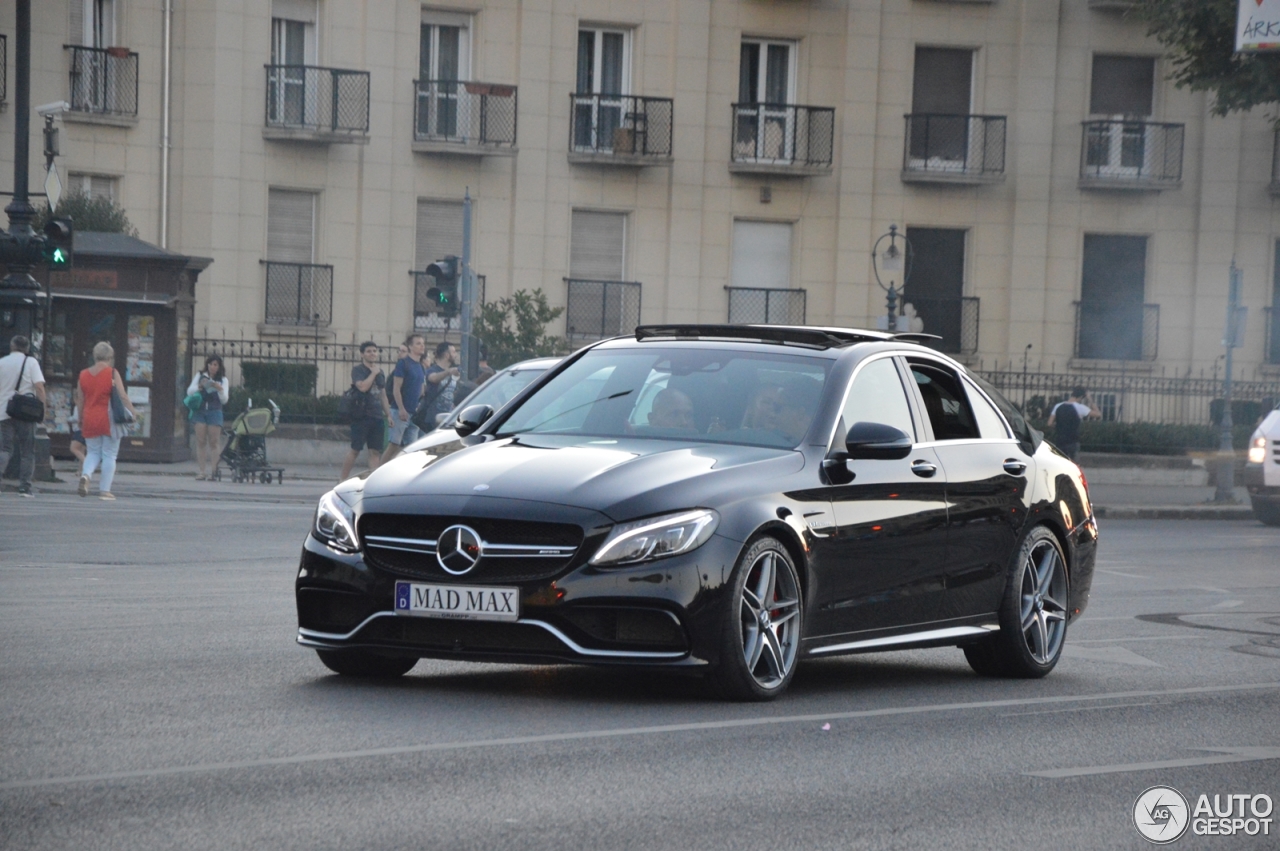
pixel 668 161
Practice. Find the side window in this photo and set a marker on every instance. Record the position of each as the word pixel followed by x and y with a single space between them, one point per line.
pixel 990 425
pixel 877 396
pixel 945 402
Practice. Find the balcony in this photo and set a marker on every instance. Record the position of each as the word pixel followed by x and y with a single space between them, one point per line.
pixel 762 306
pixel 104 86
pixel 299 294
pixel 1117 332
pixel 955 320
pixel 426 313
pixel 1144 156
pixel 306 103
pixel 598 309
pixel 956 149
pixel 464 118
pixel 620 130
pixel 782 139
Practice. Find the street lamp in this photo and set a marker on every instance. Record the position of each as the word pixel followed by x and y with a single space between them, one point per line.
pixel 895 263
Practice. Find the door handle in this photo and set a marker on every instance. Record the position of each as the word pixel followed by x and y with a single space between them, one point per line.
pixel 923 469
pixel 1014 467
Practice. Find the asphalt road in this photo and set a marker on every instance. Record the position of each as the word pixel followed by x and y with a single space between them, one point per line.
pixel 151 696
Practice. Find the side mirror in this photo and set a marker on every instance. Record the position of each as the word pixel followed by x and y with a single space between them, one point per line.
pixel 474 416
pixel 835 468
pixel 877 441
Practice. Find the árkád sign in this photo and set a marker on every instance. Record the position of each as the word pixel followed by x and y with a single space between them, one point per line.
pixel 1258 26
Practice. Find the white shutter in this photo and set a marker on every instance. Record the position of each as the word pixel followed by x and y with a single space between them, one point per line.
pixel 597 246
pixel 101 187
pixel 439 231
pixel 294 10
pixel 762 254
pixel 75 25
pixel 291 226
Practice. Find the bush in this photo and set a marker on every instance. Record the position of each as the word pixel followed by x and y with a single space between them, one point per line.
pixel 1152 438
pixel 294 408
pixel 276 377
pixel 89 214
pixel 515 329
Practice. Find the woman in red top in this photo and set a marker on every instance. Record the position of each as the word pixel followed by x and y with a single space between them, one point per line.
pixel 101 436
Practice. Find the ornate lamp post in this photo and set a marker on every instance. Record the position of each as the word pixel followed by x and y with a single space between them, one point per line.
pixel 895 263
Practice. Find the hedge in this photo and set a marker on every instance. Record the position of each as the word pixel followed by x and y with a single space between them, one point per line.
pixel 1152 438
pixel 276 377
pixel 294 408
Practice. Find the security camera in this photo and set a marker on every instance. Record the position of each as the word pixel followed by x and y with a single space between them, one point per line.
pixel 56 108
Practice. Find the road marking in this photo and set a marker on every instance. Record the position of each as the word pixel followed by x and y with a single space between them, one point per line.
pixel 1135 638
pixel 1116 655
pixel 1227 604
pixel 1118 573
pixel 551 738
pixel 1077 709
pixel 1225 755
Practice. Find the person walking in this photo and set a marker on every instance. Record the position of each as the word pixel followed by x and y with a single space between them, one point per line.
pixel 442 381
pixel 1065 419
pixel 407 380
pixel 101 434
pixel 214 389
pixel 369 423
pixel 20 375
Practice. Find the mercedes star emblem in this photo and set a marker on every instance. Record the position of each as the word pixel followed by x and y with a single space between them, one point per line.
pixel 458 549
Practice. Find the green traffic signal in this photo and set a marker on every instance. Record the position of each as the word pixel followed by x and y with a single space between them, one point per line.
pixel 57 258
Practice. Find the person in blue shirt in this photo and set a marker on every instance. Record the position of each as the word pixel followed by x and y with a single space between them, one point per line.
pixel 406 389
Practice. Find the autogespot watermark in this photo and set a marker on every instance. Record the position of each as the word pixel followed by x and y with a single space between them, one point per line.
pixel 1162 815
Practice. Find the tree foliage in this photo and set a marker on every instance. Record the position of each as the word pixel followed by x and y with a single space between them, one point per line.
pixel 100 215
pixel 515 328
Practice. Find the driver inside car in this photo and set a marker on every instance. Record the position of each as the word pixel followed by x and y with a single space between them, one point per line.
pixel 672 409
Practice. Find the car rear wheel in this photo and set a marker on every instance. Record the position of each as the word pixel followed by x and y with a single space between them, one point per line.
pixel 761 638
pixel 360 663
pixel 1033 614
pixel 1266 511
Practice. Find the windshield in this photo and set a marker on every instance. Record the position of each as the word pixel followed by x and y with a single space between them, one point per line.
pixel 756 399
pixel 503 387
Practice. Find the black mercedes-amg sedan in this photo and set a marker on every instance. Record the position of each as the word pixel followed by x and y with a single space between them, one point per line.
pixel 724 499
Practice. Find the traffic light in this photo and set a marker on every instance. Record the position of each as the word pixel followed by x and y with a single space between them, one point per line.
pixel 444 295
pixel 58 235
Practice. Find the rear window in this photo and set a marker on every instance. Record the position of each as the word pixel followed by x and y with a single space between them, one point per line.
pixel 1022 430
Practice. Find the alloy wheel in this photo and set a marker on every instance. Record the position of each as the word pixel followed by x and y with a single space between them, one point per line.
pixel 1043 611
pixel 770 615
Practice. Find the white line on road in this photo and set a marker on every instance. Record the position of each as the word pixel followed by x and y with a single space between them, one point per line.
pixel 1125 575
pixel 1076 709
pixel 1225 755
pixel 1136 638
pixel 620 732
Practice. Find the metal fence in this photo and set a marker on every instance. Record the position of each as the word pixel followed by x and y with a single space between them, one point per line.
pixel 426 313
pixel 955 320
pixel 761 306
pixel 299 294
pixel 322 100
pixel 782 133
pixel 955 145
pixel 104 80
pixel 465 113
pixel 1117 332
pixel 620 125
pixel 332 361
pixel 1147 153
pixel 598 309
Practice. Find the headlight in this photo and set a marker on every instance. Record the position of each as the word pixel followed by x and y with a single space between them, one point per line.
pixel 657 537
pixel 336 523
pixel 1258 450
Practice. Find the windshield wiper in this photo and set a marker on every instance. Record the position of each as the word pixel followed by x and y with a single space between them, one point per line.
pixel 617 395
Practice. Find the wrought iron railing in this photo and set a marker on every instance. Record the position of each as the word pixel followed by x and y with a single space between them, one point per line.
pixel 426 312
pixel 1124 332
pixel 955 320
pixel 620 125
pixel 299 294
pixel 1135 152
pixel 763 306
pixel 598 309
pixel 783 134
pixel 464 112
pixel 321 100
pixel 104 80
pixel 4 68
pixel 955 145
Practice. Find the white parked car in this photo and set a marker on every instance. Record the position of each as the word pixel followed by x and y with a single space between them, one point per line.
pixel 1262 472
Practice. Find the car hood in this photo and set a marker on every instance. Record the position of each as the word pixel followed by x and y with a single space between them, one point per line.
pixel 622 479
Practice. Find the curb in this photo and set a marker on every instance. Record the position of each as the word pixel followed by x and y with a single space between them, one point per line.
pixel 1173 512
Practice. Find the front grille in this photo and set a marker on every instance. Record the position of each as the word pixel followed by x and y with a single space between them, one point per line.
pixel 514 550
pixel 610 627
pixel 327 610
pixel 459 635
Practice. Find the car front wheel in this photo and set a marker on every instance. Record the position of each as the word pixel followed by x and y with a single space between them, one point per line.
pixel 360 663
pixel 761 638
pixel 1266 511
pixel 1033 613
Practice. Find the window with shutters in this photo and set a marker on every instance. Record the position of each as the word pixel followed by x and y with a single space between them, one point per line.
pixel 104 78
pixel 299 291
pixel 92 23
pixel 444 58
pixel 600 303
pixel 765 115
pixel 941 101
pixel 92 185
pixel 1112 322
pixel 761 291
pixel 1121 142
pixel 934 294
pixel 603 80
pixel 293 47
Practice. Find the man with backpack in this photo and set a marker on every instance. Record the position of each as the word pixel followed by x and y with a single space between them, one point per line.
pixel 1065 420
pixel 370 410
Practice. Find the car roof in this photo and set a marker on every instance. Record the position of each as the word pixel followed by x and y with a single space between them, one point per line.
pixel 817 338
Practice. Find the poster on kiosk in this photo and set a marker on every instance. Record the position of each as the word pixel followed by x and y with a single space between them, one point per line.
pixel 1258 26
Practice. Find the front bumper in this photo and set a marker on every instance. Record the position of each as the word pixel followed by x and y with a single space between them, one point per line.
pixel 665 612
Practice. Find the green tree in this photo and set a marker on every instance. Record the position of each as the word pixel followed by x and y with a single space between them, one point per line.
pixel 1200 36
pixel 101 215
pixel 515 328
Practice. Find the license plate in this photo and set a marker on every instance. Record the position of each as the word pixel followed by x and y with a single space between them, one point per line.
pixel 460 602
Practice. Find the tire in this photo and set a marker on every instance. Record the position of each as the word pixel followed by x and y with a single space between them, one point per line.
pixel 1266 511
pixel 359 663
pixel 1033 613
pixel 760 645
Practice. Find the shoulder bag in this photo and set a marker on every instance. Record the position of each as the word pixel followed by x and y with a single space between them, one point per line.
pixel 25 408
pixel 425 415
pixel 120 415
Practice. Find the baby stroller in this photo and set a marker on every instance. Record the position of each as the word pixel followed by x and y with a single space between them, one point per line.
pixel 245 452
